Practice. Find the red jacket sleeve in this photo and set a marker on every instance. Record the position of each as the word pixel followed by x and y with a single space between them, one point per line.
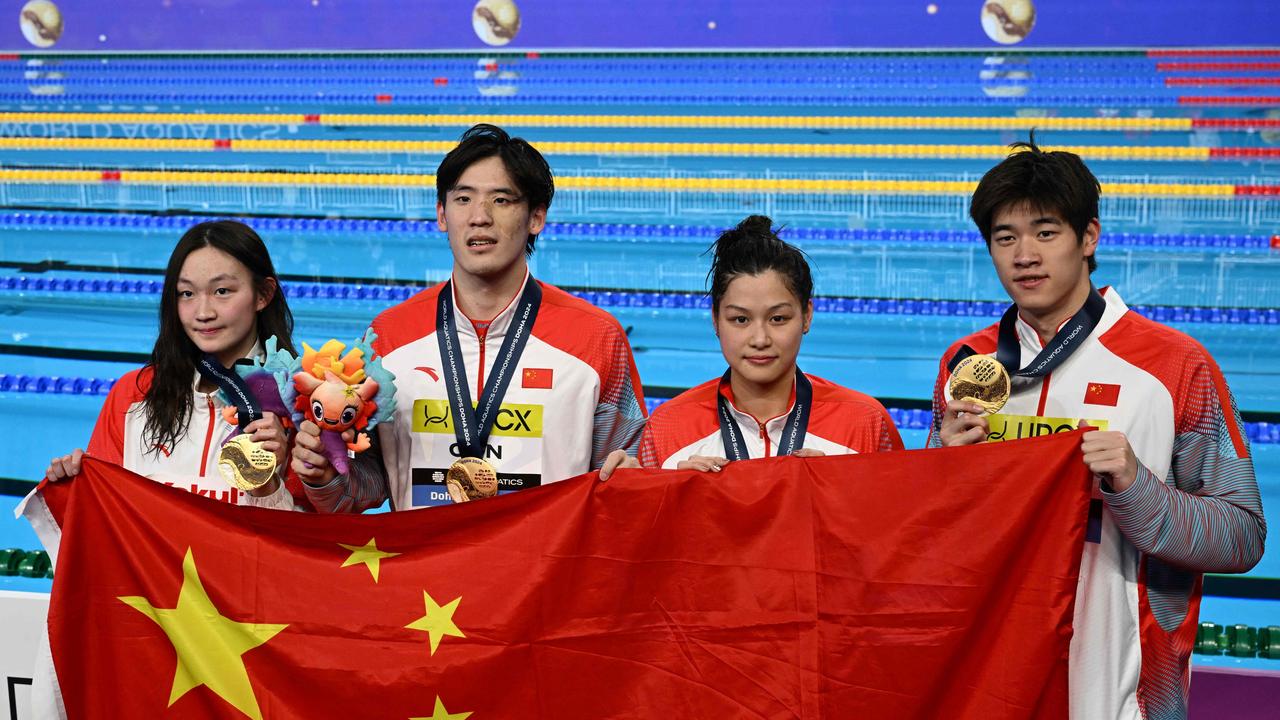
pixel 107 441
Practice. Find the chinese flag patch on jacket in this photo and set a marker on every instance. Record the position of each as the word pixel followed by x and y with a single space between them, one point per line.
pixel 1102 394
pixel 536 378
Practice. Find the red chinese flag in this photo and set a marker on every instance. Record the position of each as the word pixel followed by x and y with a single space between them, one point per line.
pixel 912 584
pixel 1102 394
pixel 537 378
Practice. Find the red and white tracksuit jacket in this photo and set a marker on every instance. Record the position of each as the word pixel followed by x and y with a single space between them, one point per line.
pixel 841 421
pixel 1194 508
pixel 192 463
pixel 575 396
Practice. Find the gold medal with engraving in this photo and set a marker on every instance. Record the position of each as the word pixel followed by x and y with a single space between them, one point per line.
pixel 981 379
pixel 245 464
pixel 471 478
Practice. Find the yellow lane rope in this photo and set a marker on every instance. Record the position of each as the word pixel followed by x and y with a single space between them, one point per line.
pixel 767 122
pixel 687 149
pixel 640 184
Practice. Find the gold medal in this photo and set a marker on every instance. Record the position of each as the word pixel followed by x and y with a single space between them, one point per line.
pixel 245 464
pixel 981 379
pixel 470 479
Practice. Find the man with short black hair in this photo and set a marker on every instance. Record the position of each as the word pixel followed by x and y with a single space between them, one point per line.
pixel 1175 494
pixel 502 382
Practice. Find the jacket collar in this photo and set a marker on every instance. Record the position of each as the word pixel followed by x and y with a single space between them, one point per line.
pixel 1115 309
pixel 498 325
pixel 256 353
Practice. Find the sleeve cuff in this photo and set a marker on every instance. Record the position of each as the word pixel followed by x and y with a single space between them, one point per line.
pixel 335 482
pixel 281 499
pixel 1136 497
pixel 326 497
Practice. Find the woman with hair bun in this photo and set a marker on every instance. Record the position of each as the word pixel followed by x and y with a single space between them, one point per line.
pixel 761 304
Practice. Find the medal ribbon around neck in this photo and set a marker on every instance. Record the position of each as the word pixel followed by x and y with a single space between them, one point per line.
pixel 234 387
pixel 1067 340
pixel 793 433
pixel 471 426
pixel 243 463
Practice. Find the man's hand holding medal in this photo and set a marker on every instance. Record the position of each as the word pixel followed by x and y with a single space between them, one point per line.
pixel 980 385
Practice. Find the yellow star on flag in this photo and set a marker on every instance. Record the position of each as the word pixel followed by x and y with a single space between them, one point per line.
pixel 441 714
pixel 209 645
pixel 438 621
pixel 369 554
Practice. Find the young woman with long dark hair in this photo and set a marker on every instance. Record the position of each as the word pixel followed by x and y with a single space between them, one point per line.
pixel 221 298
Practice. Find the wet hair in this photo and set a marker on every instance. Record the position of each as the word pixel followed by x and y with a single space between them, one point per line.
pixel 173 360
pixel 753 248
pixel 1056 182
pixel 528 169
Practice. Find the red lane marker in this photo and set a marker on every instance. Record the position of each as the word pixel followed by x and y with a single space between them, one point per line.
pixel 110 176
pixel 311 119
pixel 386 98
pixel 1235 123
pixel 491 67
pixel 10 56
pixel 1228 100
pixel 1273 190
pixel 1269 52
pixel 1220 81
pixel 1275 242
pixel 1252 153
pixel 222 144
pixel 1215 66
pixel 441 81
pixel 532 55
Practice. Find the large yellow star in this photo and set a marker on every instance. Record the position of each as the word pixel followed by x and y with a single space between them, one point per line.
pixel 441 714
pixel 438 621
pixel 209 645
pixel 369 554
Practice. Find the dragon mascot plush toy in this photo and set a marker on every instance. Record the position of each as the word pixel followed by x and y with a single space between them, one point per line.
pixel 341 391
pixel 336 390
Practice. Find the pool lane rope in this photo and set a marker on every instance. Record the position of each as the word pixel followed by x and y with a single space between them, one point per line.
pixel 945 151
pixel 205 178
pixel 651 121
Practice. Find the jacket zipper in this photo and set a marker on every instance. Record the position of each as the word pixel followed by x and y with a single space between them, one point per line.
pixel 208 437
pixel 481 334
pixel 1044 384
